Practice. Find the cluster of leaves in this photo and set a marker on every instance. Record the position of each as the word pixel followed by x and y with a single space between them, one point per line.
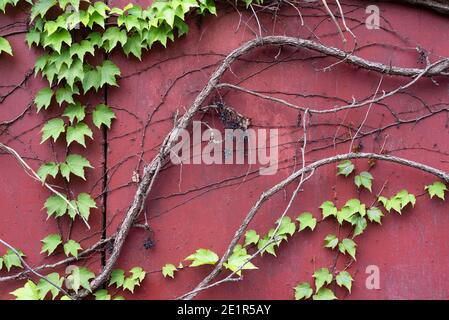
pixel 10 259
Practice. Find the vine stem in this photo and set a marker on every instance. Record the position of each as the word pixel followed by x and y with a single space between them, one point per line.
pixel 205 283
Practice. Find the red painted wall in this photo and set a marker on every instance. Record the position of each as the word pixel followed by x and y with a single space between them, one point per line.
pixel 202 206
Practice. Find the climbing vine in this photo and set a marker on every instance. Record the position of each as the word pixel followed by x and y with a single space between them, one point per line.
pixel 73 35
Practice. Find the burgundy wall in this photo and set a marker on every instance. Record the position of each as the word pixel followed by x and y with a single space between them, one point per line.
pixel 202 206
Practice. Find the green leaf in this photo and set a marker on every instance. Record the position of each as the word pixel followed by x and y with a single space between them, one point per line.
pixel 74 164
pixel 112 36
pixel 33 37
pixel 306 220
pixel 10 259
pixel 398 201
pixel 324 294
pixel 56 39
pixel 374 214
pixel 364 179
pixel 108 73
pixel 270 248
pixel 28 292
pixel 328 209
pixel 330 241
pixel 137 276
pixel 239 259
pixel 344 279
pixel 251 237
pixel 41 7
pixel 169 270
pixel 71 248
pixel 345 168
pixel 134 45
pixel 102 294
pixel 202 257
pixel 55 205
pixel 43 99
pixel 79 278
pixel 92 79
pixel 65 94
pixel 322 277
pixel 360 224
pixel 118 298
pixel 45 287
pixel 117 278
pixel 78 133
pixel 303 291
pixel 286 227
pixel 436 189
pixel 5 46
pixel 50 243
pixel 85 203
pixel 52 129
pixel 81 49
pixel 103 115
pixel 348 246
pixel 75 111
pixel 48 169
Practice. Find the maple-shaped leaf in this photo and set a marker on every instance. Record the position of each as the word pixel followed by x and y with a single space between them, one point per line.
pixel 286 226
pixel 322 277
pixel 108 73
pixel 5 46
pixel 103 115
pixel 306 220
pixel 11 259
pixel 72 74
pixel 75 112
pixel 85 203
pixel 81 49
pixel 251 237
pixel 138 273
pixel 45 287
pixel 53 129
pixel 102 294
pixel 43 99
pixel 328 209
pixel 56 40
pixel 169 270
pixel 117 278
pixel 61 59
pixel 71 248
pixel 303 291
pixel 344 279
pixel 364 179
pixel 360 224
pixel 346 167
pixel 75 164
pixel 50 243
pixel 266 244
pixel 348 246
pixel 374 214
pixel 134 45
pixel 79 278
pixel 202 257
pixel 92 79
pixel 324 294
pixel 33 37
pixel 65 94
pixel 48 169
pixel 436 189
pixel 78 133
pixel 330 241
pixel 55 205
pixel 112 36
pixel 28 292
pixel 41 7
pixel 239 259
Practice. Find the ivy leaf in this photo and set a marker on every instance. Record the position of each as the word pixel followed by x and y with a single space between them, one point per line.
pixel 169 270
pixel 303 291
pixel 43 99
pixel 262 245
pixel 324 294
pixel 55 205
pixel 118 298
pixel 117 278
pixel 44 287
pixel 134 45
pixel 81 49
pixel 344 279
pixel 56 39
pixel 72 247
pixel 74 164
pixel 50 243
pixel 10 259
pixel 202 257
pixel 360 224
pixel 92 79
pixel 41 7
pixel 85 203
pixel 5 46
pixel 364 179
pixel 251 237
pixel 137 273
pixel 330 241
pixel 239 259
pixel 345 168
pixel 103 115
pixel 348 246
pixel 78 133
pixel 79 278
pixel 65 94
pixel 306 220
pixel 322 277
pixel 33 37
pixel 374 214
pixel 28 292
pixel 436 189
pixel 102 294
pixel 112 36
pixel 286 227
pixel 48 169
pixel 52 129
pixel 328 209
pixel 108 72
pixel 75 111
